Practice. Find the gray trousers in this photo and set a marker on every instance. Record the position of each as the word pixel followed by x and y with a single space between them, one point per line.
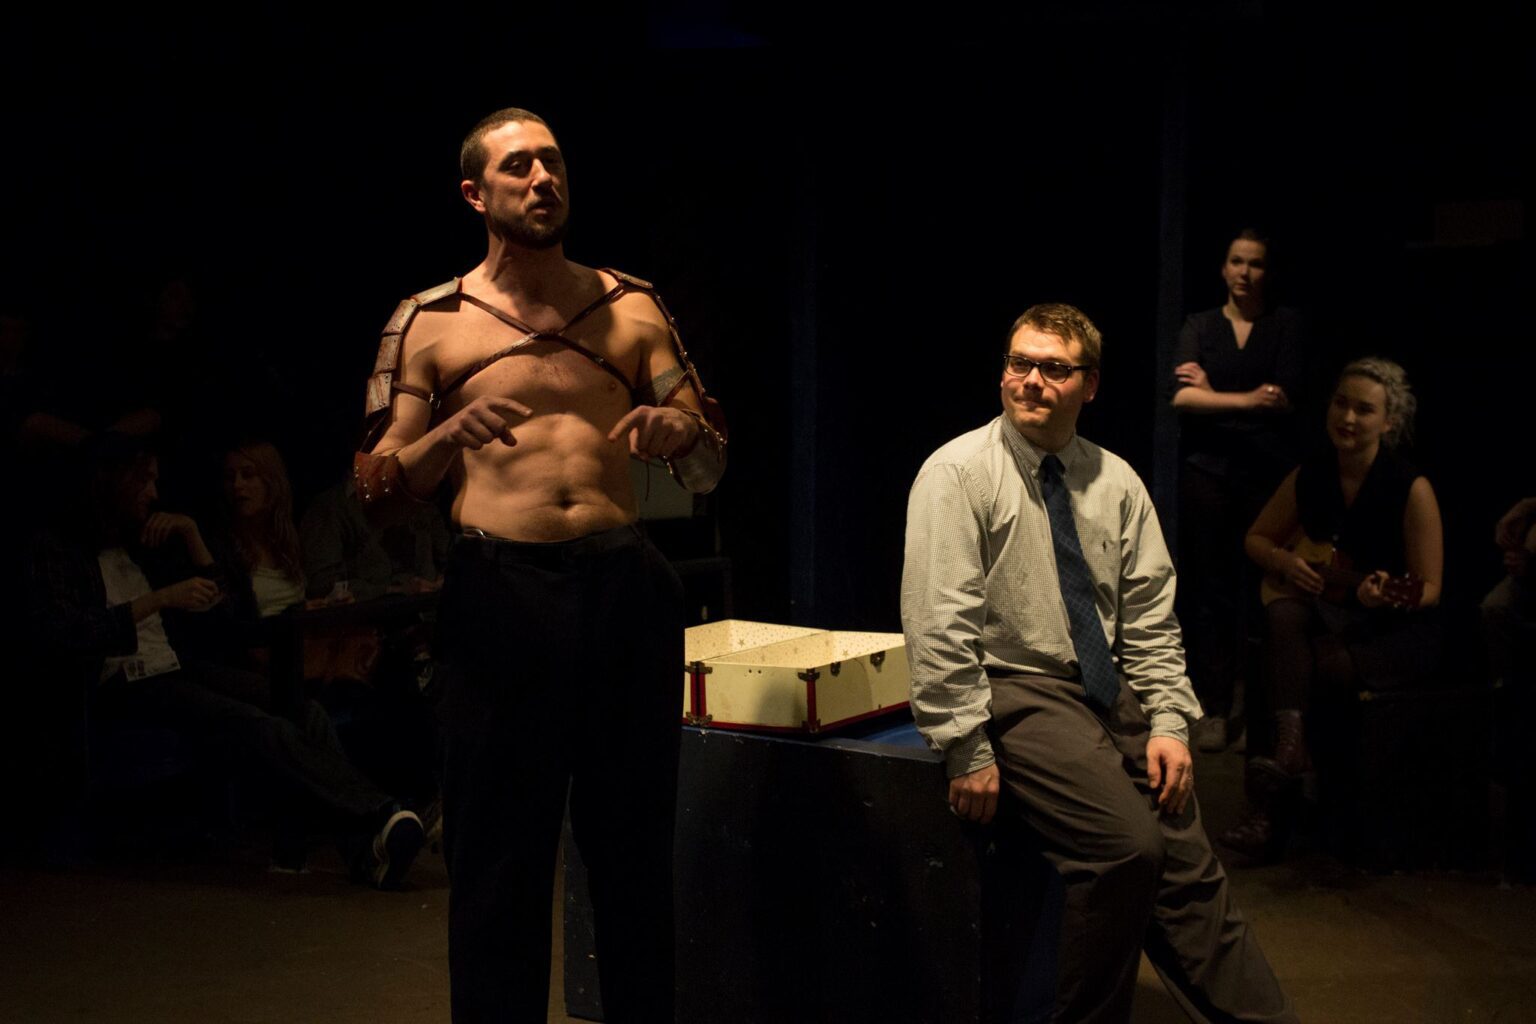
pixel 1134 879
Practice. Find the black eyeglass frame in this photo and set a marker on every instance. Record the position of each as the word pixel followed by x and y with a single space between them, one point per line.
pixel 1031 364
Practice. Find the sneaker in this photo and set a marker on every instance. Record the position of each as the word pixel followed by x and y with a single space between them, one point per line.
pixel 1210 734
pixel 394 848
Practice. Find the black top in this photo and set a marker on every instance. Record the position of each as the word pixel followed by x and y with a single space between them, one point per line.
pixel 1261 441
pixel 1370 531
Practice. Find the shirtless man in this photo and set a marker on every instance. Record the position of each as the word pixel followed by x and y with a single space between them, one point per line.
pixel 526 387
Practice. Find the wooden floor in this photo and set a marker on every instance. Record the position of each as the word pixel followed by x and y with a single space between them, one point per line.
pixel 167 941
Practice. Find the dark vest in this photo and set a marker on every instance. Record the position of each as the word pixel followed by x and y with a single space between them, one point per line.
pixel 1370 531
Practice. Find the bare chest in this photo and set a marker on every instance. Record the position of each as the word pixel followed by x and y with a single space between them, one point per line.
pixel 546 374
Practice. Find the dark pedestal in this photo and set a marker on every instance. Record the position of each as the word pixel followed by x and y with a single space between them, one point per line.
pixel 826 880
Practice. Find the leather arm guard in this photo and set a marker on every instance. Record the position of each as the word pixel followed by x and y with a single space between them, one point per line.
pixel 701 467
pixel 378 477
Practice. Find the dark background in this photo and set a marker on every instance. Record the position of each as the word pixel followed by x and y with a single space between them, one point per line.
pixel 844 221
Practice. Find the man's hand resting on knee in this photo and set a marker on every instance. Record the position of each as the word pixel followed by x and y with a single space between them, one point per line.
pixel 1170 771
pixel 973 797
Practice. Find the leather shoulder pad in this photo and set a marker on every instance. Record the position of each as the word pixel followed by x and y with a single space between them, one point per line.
pixel 381 383
pixel 406 311
pixel 437 294
pixel 633 282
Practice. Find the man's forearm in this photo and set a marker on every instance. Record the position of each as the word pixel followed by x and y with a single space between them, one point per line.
pixel 425 461
pixel 389 483
pixel 145 605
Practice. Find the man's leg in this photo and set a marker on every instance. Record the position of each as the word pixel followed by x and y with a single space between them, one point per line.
pixel 1197 940
pixel 501 831
pixel 1062 772
pixel 1079 780
pixel 1200 943
pixel 225 707
pixel 624 790
pixel 509 629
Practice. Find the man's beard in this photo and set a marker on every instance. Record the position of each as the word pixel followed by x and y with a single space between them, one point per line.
pixel 530 235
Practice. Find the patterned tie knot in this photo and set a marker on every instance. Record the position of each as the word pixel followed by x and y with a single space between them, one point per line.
pixel 1051 467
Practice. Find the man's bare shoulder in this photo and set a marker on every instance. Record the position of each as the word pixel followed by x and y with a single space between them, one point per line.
pixel 636 310
pixel 437 324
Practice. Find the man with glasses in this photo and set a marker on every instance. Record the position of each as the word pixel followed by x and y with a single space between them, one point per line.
pixel 1037 600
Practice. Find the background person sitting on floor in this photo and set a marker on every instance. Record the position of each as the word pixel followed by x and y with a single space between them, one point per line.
pixel 1509 631
pixel 126 589
pixel 1509 610
pixel 1352 542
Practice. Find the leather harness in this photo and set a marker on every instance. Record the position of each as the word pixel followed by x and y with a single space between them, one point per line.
pixel 376 479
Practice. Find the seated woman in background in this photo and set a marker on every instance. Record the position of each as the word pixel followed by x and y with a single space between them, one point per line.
pixel 1352 544
pixel 259 504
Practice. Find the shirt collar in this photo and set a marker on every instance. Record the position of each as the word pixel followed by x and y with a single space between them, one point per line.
pixel 1030 455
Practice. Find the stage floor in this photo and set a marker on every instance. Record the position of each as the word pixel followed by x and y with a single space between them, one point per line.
pixel 164 941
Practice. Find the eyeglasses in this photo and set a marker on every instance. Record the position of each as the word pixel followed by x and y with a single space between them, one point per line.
pixel 1018 366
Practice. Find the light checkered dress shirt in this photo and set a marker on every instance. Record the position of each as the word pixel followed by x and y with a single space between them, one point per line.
pixel 980 595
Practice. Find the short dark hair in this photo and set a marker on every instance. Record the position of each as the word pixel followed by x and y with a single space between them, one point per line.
pixel 103 467
pixel 1066 322
pixel 472 154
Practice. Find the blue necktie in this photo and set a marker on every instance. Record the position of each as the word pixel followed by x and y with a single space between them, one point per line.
pixel 1093 660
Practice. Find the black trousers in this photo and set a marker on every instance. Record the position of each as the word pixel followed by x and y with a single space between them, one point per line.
pixel 562 671
pixel 1218 585
pixel 1135 879
pixel 226 711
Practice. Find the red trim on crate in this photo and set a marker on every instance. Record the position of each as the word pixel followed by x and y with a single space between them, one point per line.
pixel 700 694
pixel 811 723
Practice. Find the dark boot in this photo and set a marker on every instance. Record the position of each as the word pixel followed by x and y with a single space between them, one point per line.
pixel 1291 755
pixel 1261 836
pixel 1282 772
